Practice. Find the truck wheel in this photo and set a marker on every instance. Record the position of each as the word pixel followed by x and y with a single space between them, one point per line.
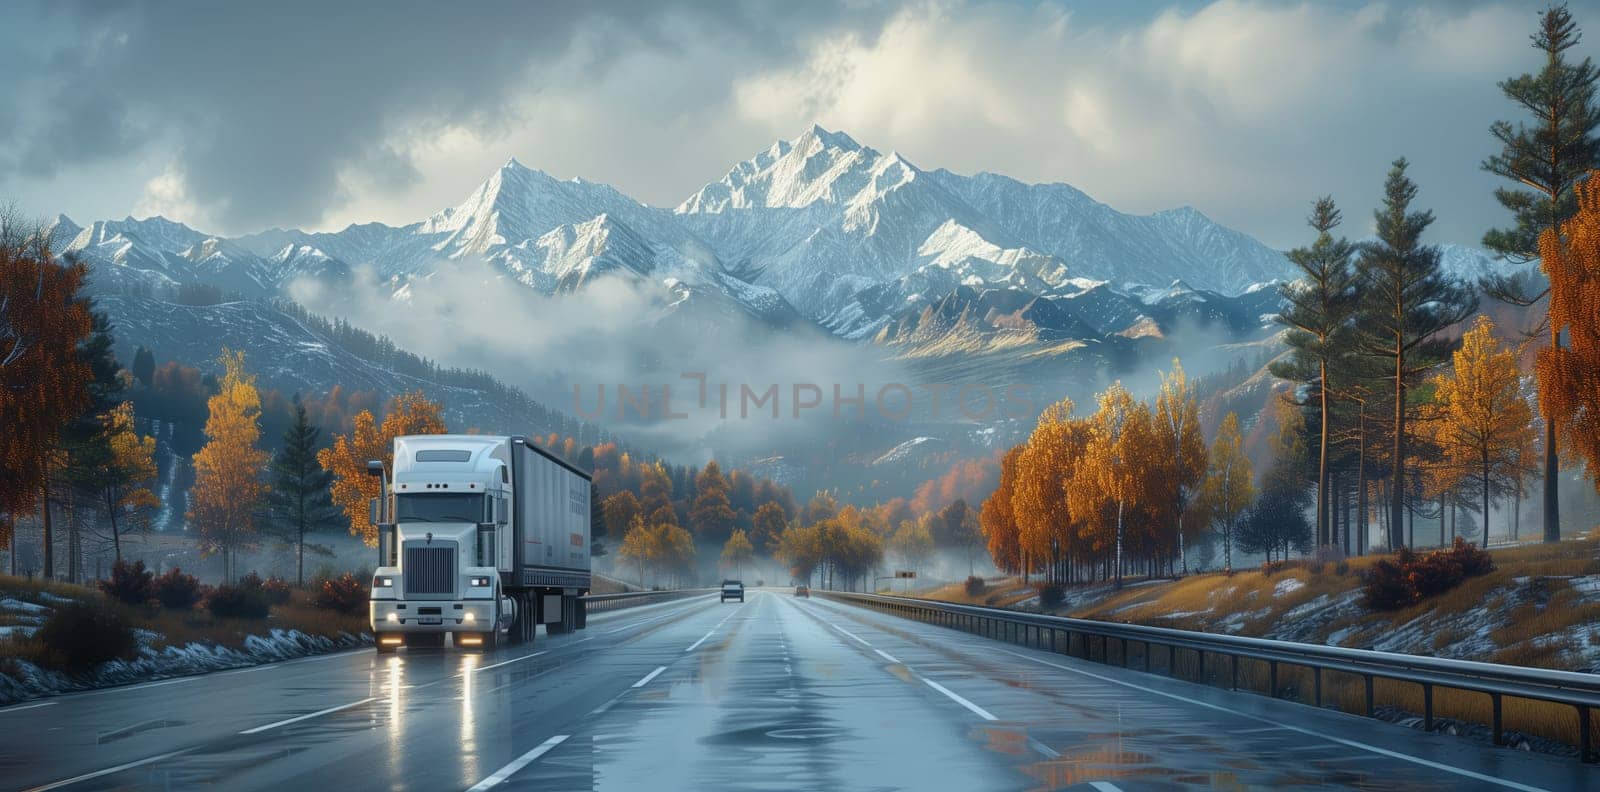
pixel 581 611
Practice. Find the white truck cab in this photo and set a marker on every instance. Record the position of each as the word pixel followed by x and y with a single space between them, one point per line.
pixel 461 546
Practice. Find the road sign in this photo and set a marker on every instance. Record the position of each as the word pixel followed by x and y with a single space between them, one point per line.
pixel 904 573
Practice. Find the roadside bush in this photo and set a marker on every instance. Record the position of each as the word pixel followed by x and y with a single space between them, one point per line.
pixel 974 585
pixel 130 583
pixel 177 590
pixel 277 590
pixel 244 600
pixel 1050 596
pixel 1409 578
pixel 82 634
pixel 345 593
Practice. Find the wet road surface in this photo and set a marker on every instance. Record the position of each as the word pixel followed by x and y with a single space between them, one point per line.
pixel 773 694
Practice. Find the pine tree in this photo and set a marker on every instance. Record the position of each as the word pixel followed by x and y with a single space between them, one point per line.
pixel 1320 305
pixel 227 491
pixel 86 455
pixel 1549 158
pixel 144 366
pixel 1406 301
pixel 300 499
pixel 712 515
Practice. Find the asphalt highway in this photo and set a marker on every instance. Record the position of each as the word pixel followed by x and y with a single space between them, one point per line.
pixel 776 693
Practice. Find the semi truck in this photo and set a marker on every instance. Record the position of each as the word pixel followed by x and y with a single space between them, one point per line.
pixel 481 539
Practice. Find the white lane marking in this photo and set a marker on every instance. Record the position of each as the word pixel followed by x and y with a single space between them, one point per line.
pixel 21 707
pixel 1044 750
pixel 1509 784
pixel 851 634
pixel 647 677
pixel 108 771
pixel 250 670
pixel 145 686
pixel 309 716
pixel 517 764
pixel 703 638
pixel 886 655
pixel 977 710
pixel 512 660
pixel 1105 786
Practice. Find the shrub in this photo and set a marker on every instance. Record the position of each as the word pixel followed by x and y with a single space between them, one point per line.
pixel 82 634
pixel 277 590
pixel 129 583
pixel 1342 568
pixel 1050 596
pixel 345 593
pixel 244 600
pixel 177 590
pixel 1409 578
pixel 974 585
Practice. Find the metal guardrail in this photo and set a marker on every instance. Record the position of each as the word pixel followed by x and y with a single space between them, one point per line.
pixel 604 602
pixel 1578 690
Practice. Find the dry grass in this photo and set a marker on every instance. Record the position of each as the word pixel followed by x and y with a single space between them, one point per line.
pixel 178 628
pixel 1002 592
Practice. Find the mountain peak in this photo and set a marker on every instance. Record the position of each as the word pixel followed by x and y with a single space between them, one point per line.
pixel 835 140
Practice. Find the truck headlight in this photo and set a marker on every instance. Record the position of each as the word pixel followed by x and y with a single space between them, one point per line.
pixel 394 618
pixel 469 617
pixel 478 582
pixel 382 582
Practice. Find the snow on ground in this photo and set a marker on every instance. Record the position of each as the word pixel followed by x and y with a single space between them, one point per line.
pixel 1288 586
pixel 18 606
pixel 21 680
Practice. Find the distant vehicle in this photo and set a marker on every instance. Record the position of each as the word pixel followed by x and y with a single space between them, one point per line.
pixel 479 538
pixel 732 589
pixel 802 591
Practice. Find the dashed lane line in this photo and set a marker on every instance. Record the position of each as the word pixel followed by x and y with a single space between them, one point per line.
pixel 520 762
pixel 108 771
pixel 647 677
pixel 976 710
pixel 308 716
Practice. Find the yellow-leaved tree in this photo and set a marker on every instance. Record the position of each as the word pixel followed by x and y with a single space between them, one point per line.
pixel 1179 461
pixel 1229 486
pixel 1045 525
pixel 1120 435
pixel 737 551
pixel 228 489
pixel 1568 394
pixel 409 413
pixel 130 470
pixel 1486 426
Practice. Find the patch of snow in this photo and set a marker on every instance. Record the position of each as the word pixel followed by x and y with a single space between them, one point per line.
pixel 1288 586
pixel 18 630
pixel 18 606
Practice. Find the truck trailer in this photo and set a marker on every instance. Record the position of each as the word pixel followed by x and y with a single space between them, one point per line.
pixel 480 538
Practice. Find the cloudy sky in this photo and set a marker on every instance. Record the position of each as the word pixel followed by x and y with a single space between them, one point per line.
pixel 239 117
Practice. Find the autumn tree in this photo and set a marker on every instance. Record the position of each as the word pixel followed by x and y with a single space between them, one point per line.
pixel 1044 524
pixel 912 542
pixel 737 551
pixel 767 526
pixel 300 499
pixel 1407 300
pixel 638 545
pixel 1568 396
pixel 1180 456
pixel 227 489
pixel 1228 488
pixel 712 515
pixel 1120 432
pixel 409 413
pixel 619 509
pixel 1321 303
pixel 822 506
pixel 43 381
pixel 123 477
pixel 997 520
pixel 1547 159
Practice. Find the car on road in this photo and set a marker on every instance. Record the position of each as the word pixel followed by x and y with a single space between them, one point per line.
pixel 732 589
pixel 802 591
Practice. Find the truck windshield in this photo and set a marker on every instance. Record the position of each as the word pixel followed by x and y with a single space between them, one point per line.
pixel 439 507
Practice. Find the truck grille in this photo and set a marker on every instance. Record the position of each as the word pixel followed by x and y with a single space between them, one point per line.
pixel 430 570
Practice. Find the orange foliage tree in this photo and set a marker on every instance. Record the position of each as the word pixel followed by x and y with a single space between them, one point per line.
pixel 1486 426
pixel 1569 387
pixel 409 413
pixel 228 488
pixel 43 381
